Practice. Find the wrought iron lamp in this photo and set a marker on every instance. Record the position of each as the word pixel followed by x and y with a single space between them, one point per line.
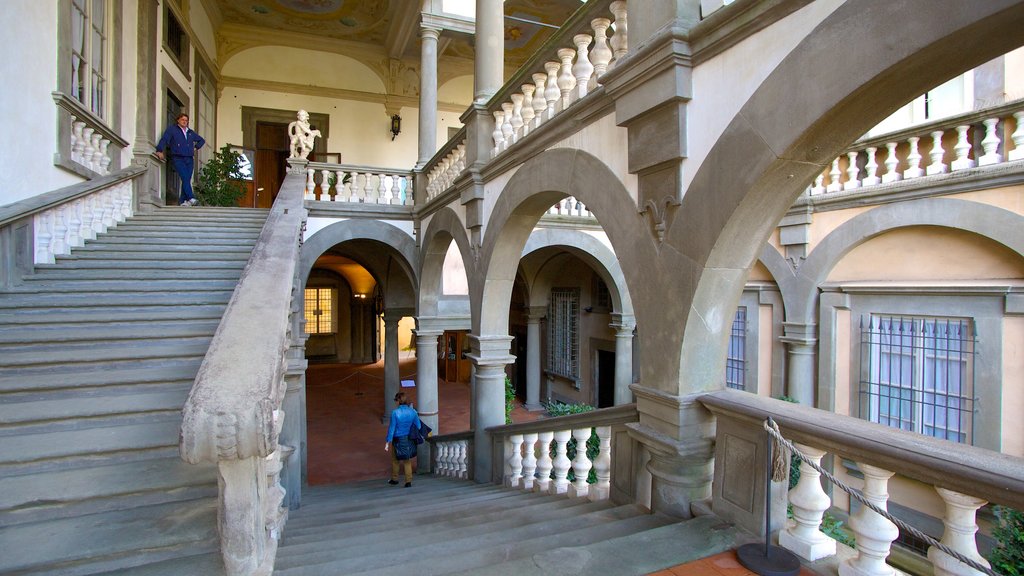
pixel 396 125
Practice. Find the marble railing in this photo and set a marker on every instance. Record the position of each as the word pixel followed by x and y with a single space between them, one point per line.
pixel 955 144
pixel 446 165
pixel 535 454
pixel 964 477
pixel 450 454
pixel 570 206
pixel 64 219
pixel 358 184
pixel 565 69
pixel 233 415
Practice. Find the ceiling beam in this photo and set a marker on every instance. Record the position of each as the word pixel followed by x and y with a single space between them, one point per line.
pixel 404 23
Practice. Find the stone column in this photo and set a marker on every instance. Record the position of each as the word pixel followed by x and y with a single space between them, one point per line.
pixel 623 325
pixel 801 341
pixel 426 387
pixel 490 355
pixel 148 195
pixel 428 96
pixel 533 337
pixel 490 49
pixel 391 377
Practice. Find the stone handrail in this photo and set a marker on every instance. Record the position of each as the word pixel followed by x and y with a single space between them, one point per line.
pixel 955 144
pixel 233 415
pixel 529 465
pixel 364 184
pixel 52 223
pixel 965 478
pixel 450 454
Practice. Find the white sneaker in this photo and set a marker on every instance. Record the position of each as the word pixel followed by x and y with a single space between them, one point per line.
pixel 193 202
pixel 185 203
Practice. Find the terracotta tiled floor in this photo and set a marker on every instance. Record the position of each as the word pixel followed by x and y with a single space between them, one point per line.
pixel 724 564
pixel 344 408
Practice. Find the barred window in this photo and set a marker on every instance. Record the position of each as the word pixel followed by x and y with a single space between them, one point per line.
pixel 563 332
pixel 319 311
pixel 736 359
pixel 918 374
pixel 89 59
pixel 600 297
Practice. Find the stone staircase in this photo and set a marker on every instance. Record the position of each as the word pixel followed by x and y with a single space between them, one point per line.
pixel 97 355
pixel 445 526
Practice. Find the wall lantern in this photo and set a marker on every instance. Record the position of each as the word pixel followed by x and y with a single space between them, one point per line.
pixel 396 125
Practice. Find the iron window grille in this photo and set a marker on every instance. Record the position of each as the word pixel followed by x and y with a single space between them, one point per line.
pixel 319 310
pixel 563 333
pixel 736 358
pixel 918 374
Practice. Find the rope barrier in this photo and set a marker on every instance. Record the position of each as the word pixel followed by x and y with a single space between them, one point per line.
pixel 772 428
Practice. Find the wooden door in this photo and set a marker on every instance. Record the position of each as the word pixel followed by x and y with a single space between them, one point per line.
pixel 271 158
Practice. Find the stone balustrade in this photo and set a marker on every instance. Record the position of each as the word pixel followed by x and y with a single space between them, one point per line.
pixel 986 138
pixel 89 147
pixel 450 454
pixel 571 207
pixel 65 226
pixel 326 182
pixel 442 174
pixel 578 55
pixel 964 477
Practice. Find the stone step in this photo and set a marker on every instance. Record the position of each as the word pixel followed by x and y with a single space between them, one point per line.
pixel 19 318
pixel 134 274
pixel 60 405
pixel 199 246
pixel 92 438
pixel 169 254
pixel 103 352
pixel 113 540
pixel 112 301
pixel 98 332
pixel 209 564
pixel 191 237
pixel 53 494
pixel 130 373
pixel 143 264
pixel 70 285
pixel 171 227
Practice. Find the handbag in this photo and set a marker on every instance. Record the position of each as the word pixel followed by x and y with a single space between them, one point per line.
pixel 418 435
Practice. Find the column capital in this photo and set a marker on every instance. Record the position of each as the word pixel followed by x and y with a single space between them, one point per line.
pixel 535 313
pixel 490 350
pixel 396 314
pixel 427 334
pixel 427 324
pixel 623 322
pixel 799 333
pixel 429 32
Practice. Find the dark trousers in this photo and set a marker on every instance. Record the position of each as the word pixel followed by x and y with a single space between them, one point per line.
pixel 184 165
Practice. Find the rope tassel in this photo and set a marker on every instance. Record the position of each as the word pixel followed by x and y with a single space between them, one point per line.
pixel 780 458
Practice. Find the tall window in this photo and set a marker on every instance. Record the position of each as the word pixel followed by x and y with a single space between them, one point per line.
pixel 736 358
pixel 319 311
pixel 563 332
pixel 918 374
pixel 89 58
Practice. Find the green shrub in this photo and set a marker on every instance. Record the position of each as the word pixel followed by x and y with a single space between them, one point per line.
pixel 219 181
pixel 563 409
pixel 510 399
pixel 1008 557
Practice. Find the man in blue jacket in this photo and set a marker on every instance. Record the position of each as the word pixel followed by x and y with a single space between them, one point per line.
pixel 183 143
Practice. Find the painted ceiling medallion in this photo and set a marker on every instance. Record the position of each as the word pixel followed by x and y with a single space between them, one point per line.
pixel 311 6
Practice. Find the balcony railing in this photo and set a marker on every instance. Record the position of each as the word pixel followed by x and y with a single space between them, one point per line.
pixel 948 146
pixel 346 183
pixel 964 477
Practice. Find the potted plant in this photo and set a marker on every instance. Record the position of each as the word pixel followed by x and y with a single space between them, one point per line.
pixel 219 181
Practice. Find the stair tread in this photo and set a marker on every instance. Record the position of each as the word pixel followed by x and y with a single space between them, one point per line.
pixel 110 331
pixel 127 313
pixel 85 352
pixel 141 372
pixel 78 404
pixel 156 431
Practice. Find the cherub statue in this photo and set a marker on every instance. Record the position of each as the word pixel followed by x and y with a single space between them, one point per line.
pixel 301 136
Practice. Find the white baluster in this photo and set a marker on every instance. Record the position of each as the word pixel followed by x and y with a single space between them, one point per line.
pixel 395 196
pixel 506 125
pixel 340 194
pixel 410 194
pixel 582 70
pixel 852 181
pixel 913 160
pixel 601 489
pixel 566 81
pixel 810 502
pixel 97 154
pixel 990 144
pixel 937 166
pixel 96 209
pixel 499 138
pixel 560 464
pixel 962 149
pixel 960 528
pixel 85 158
pixel 551 91
pixel 310 185
pixel 834 185
pixel 127 203
pixel 78 141
pixel 871 168
pixel 891 162
pixel 74 235
pixel 544 463
pixel 874 533
pixel 86 232
pixel 369 190
pixel 601 55
pixel 109 207
pixel 527 111
pixel 463 446
pixel 383 193
pixel 1018 138
pixel 325 185
pixel 105 159
pixel 441 462
pixel 460 165
pixel 58 244
pixel 514 460
pixel 353 188
pixel 42 225
pixel 517 117
pixel 539 103
pixel 581 465
pixel 819 184
pixel 620 40
pixel 529 461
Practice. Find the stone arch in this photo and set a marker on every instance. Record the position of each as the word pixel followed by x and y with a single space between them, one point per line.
pixel 444 227
pixel 997 224
pixel 785 134
pixel 591 251
pixel 532 190
pixel 401 282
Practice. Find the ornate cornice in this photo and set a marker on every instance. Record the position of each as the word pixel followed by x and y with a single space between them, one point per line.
pixel 338 93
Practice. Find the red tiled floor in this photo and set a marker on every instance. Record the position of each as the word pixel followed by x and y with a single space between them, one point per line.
pixel 724 564
pixel 344 408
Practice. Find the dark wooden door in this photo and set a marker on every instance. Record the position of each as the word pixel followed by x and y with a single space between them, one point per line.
pixel 605 379
pixel 172 182
pixel 271 158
